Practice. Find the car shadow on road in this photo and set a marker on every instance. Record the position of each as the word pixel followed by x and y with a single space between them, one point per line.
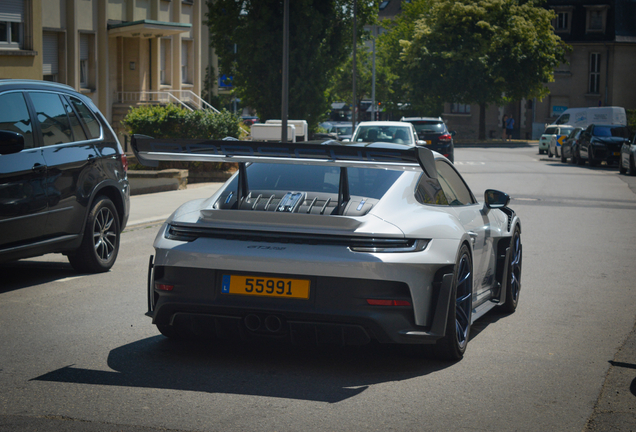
pixel 23 274
pixel 324 374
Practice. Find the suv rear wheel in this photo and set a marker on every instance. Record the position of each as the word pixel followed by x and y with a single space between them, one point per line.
pixel 100 244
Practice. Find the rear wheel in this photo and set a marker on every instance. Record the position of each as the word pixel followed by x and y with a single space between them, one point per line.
pixel 620 166
pixel 590 157
pixel 632 168
pixel 579 161
pixel 550 152
pixel 563 158
pixel 100 244
pixel 453 345
pixel 513 282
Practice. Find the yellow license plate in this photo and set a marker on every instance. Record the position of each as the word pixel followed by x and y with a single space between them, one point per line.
pixel 617 153
pixel 265 286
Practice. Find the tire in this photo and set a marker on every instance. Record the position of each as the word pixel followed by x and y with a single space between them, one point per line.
pixel 632 167
pixel 453 345
pixel 590 157
pixel 621 170
pixel 100 244
pixel 541 151
pixel 513 281
pixel 563 158
pixel 579 160
pixel 550 152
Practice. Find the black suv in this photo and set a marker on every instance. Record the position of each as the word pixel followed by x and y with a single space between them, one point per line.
pixel 600 143
pixel 433 131
pixel 63 181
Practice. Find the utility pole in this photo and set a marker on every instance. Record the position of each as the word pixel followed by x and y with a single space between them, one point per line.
pixel 373 105
pixel 285 108
pixel 355 99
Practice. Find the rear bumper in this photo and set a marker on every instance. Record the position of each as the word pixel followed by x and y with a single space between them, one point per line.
pixel 336 312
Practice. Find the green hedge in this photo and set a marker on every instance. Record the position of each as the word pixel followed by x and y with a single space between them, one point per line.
pixel 172 121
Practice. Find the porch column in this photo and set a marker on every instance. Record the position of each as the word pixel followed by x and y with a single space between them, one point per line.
pixel 155 67
pixel 196 35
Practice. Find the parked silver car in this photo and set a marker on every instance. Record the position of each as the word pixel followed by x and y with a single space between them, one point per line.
pixel 332 243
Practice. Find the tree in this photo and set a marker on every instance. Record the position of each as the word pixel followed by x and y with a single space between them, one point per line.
pixel 340 88
pixel 390 57
pixel 247 36
pixel 480 51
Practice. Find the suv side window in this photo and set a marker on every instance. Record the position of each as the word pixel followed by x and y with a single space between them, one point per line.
pixel 78 130
pixel 87 118
pixel 14 117
pixel 454 187
pixel 54 122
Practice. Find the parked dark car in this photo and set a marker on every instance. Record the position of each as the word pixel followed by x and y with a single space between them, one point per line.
pixel 433 131
pixel 570 147
pixel 628 154
pixel 600 143
pixel 63 180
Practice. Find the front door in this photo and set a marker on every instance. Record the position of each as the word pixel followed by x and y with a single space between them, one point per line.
pixel 23 196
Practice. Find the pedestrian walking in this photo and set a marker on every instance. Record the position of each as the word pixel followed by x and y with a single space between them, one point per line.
pixel 510 124
pixel 503 127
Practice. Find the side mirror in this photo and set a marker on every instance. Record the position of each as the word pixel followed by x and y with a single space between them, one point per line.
pixel 11 142
pixel 496 199
pixel 421 143
pixel 346 140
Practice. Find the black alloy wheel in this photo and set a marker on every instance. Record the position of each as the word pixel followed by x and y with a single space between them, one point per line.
pixel 453 345
pixel 513 281
pixel 100 244
pixel 590 157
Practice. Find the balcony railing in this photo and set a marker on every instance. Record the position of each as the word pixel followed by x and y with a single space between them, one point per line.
pixel 186 98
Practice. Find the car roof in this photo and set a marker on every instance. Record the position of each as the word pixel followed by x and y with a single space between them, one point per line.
pixel 25 84
pixel 381 123
pixel 409 119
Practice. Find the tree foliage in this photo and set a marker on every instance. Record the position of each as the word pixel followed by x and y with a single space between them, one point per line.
pixel 475 51
pixel 320 40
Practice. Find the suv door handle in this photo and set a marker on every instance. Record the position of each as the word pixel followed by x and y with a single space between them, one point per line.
pixel 39 168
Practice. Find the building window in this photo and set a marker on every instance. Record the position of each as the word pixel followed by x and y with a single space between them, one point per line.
pixel 457 108
pixel 83 63
pixel 562 21
pixel 596 19
pixel 87 60
pixel 50 56
pixel 164 55
pixel 11 24
pixel 186 63
pixel 595 73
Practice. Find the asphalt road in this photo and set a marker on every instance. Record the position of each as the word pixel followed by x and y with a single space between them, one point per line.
pixel 78 354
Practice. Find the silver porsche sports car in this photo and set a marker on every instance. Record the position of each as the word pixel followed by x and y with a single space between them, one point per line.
pixel 329 242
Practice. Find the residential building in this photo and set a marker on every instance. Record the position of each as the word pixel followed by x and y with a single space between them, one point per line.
pixel 117 52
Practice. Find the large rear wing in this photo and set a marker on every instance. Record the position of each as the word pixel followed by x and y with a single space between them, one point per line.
pixel 150 151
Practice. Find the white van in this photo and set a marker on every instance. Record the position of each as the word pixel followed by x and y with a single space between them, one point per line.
pixel 583 117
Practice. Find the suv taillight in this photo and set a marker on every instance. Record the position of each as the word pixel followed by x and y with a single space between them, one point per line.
pixel 124 161
pixel 445 137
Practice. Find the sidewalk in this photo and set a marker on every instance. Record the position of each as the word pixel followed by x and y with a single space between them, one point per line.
pixel 156 207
